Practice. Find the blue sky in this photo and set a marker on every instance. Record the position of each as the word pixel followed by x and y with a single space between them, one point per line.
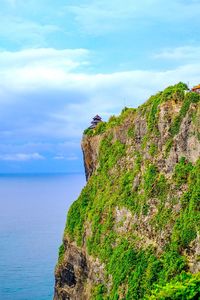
pixel 61 62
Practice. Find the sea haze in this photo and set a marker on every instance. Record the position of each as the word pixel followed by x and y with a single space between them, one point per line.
pixel 32 219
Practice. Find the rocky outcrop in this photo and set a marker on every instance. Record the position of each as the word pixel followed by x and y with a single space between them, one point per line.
pixel 184 144
pixel 142 196
pixel 90 148
pixel 77 274
pixel 71 275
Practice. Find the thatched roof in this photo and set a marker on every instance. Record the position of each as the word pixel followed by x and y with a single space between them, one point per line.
pixel 197 87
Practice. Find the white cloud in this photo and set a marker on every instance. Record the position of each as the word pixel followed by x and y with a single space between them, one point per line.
pixel 59 157
pixel 46 111
pixel 38 67
pixel 51 89
pixel 46 69
pixel 101 17
pixel 62 157
pixel 47 57
pixel 21 157
pixel 185 53
pixel 23 31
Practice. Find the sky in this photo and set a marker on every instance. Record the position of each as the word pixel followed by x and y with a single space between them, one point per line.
pixel 62 62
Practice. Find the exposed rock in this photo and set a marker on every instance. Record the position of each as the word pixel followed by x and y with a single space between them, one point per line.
pixel 71 275
pixel 90 147
pixel 123 220
pixel 193 255
pixel 76 271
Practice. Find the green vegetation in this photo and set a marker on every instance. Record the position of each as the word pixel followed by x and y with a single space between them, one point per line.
pixel 153 149
pixel 150 180
pixel 142 272
pixel 178 93
pixel 100 128
pixel 168 146
pixel 153 114
pixel 185 287
pixel 188 99
pixel 182 171
pixel 61 253
pixel 188 223
pixel 175 92
pixel 131 132
pixel 112 122
pixel 141 266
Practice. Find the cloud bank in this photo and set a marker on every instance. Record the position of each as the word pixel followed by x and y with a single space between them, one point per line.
pixel 47 100
pixel 21 157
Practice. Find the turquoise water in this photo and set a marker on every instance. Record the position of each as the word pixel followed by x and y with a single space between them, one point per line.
pixel 32 219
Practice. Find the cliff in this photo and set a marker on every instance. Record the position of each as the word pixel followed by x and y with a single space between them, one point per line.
pixel 134 232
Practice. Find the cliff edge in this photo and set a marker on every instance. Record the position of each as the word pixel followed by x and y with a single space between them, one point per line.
pixel 134 231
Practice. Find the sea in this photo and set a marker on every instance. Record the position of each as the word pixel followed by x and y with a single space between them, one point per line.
pixel 33 211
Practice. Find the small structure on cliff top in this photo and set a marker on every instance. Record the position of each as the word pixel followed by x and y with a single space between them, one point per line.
pixel 96 120
pixel 196 89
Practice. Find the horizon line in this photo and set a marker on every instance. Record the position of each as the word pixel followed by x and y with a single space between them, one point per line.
pixel 39 173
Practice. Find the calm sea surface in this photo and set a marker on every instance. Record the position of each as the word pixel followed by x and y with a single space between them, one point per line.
pixel 32 219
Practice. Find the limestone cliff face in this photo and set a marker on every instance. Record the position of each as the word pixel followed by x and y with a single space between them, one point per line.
pixel 90 148
pixel 140 206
